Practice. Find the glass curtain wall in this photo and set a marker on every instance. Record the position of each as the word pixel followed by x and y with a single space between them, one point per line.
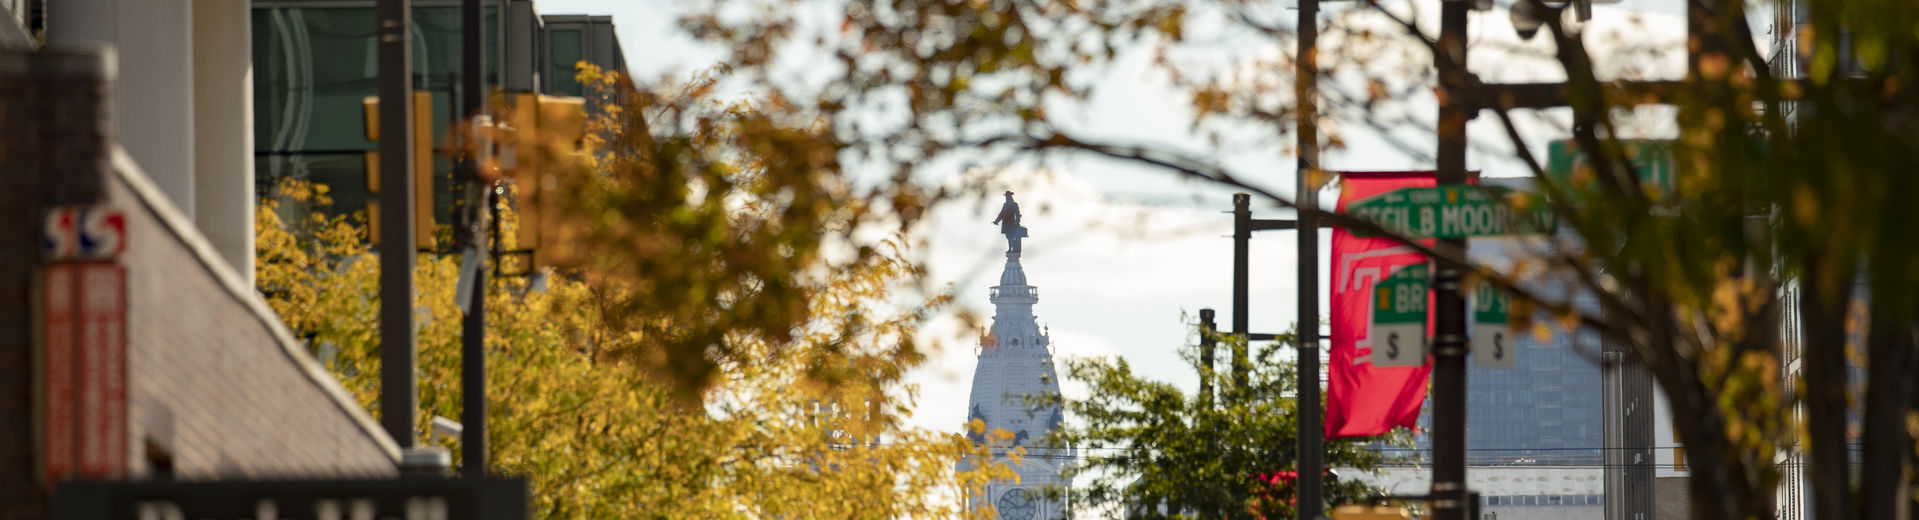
pixel 313 66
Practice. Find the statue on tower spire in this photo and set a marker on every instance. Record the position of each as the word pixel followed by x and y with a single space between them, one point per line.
pixel 1008 221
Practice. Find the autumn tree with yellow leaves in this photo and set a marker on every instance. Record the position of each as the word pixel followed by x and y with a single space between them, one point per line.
pixel 724 345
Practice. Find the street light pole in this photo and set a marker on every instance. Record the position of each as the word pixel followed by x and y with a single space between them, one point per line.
pixel 473 94
pixel 1306 197
pixel 397 355
pixel 1449 492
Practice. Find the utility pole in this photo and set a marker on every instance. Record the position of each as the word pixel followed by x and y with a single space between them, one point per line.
pixel 1243 227
pixel 1449 494
pixel 1306 331
pixel 1208 340
pixel 1242 236
pixel 479 197
pixel 397 355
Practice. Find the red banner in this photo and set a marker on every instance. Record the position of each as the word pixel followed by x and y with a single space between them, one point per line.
pixel 1362 399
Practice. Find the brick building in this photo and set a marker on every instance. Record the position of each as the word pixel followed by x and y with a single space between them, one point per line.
pixel 206 383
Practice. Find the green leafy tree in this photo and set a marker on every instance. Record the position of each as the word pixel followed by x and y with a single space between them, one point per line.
pixel 1152 450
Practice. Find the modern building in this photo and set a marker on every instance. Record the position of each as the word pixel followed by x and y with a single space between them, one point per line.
pixel 315 62
pixel 1016 368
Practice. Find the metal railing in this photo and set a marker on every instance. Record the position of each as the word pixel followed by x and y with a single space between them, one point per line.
pixel 1015 291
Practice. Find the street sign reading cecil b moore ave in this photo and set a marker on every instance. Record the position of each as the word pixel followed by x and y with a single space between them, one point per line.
pixel 1454 211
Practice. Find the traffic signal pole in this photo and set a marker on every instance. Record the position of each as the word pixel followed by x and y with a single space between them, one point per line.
pixel 1306 197
pixel 1449 494
pixel 479 198
pixel 397 355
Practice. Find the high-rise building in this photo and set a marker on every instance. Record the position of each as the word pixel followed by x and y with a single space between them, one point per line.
pixel 1015 372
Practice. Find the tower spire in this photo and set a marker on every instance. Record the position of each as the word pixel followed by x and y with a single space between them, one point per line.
pixel 1015 364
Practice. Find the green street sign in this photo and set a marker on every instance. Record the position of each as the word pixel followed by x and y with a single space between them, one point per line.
pixel 1454 211
pixel 1398 326
pixel 1492 342
pixel 1652 159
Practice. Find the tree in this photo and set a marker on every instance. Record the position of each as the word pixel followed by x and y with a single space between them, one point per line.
pixel 1787 202
pixel 700 218
pixel 811 429
pixel 1152 450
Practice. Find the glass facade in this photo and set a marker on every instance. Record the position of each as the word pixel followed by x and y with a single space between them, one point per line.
pixel 1547 410
pixel 566 47
pixel 314 66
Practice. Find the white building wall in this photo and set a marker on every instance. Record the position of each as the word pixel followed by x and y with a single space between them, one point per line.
pixel 153 101
pixel 183 104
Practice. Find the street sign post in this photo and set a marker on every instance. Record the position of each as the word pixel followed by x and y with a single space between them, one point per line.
pixel 1454 211
pixel 1398 328
pixel 1492 343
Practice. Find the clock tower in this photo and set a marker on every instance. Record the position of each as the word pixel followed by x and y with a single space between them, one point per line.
pixel 1015 370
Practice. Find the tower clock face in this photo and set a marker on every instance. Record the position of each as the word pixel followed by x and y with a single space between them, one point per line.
pixel 1017 504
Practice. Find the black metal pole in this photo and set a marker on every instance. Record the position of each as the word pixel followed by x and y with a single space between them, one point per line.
pixel 1449 341
pixel 473 96
pixel 1311 435
pixel 1208 341
pixel 1242 236
pixel 397 356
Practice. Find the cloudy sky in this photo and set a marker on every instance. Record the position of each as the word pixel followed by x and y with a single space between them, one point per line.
pixel 1122 253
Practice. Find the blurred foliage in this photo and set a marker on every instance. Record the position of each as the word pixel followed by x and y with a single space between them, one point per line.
pixel 1733 283
pixel 598 436
pixel 710 228
pixel 1155 451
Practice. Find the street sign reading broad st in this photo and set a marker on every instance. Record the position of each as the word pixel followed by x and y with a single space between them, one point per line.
pixel 1492 343
pixel 1398 328
pixel 1452 211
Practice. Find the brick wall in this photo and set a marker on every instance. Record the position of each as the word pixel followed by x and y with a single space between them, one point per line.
pixel 214 379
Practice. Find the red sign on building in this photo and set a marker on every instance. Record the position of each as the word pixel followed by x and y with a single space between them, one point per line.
pixel 84 358
pixel 103 370
pixel 84 348
pixel 57 358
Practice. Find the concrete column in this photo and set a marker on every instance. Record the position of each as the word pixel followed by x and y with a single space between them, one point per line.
pixel 153 105
pixel 223 128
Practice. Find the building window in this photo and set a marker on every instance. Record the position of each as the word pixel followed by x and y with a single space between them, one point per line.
pixel 566 48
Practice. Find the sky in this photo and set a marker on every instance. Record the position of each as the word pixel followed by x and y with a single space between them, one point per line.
pixel 1124 256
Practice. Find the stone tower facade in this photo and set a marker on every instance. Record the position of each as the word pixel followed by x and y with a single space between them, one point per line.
pixel 1015 370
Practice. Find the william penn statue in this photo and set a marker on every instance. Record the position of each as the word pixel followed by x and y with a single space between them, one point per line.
pixel 1008 221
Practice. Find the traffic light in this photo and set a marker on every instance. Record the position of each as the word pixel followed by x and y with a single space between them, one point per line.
pixel 422 126
pixel 1354 512
pixel 546 134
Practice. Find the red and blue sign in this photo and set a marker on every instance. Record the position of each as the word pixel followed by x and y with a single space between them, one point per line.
pixel 80 233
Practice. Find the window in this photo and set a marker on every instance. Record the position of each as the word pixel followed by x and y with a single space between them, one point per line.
pixel 565 49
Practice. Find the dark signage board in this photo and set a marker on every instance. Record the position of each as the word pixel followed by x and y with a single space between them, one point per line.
pixel 410 498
